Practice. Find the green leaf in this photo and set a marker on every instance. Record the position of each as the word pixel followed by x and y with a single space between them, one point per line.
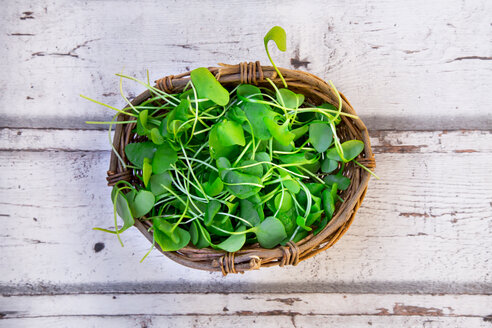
pixel 289 99
pixel 199 236
pixel 223 165
pixel 329 197
pixel 122 209
pixel 217 147
pixel 256 114
pixel 136 152
pixel 320 136
pixel 301 222
pixel 256 170
pixel 143 203
pixel 351 149
pixel 248 92
pixel 207 86
pixel 236 114
pixel 234 242
pixel 142 129
pixel 230 133
pixel 270 232
pixel 277 34
pixel 281 133
pixel 297 158
pixel 241 185
pixel 164 157
pixel 285 204
pixel 250 212
pixel 167 243
pixel 342 181
pixel 329 165
pixel 290 183
pixel 147 171
pixel 159 181
pixel 214 185
pixel 300 131
pixel 222 224
pixel 213 207
pixel 156 136
pixel 321 226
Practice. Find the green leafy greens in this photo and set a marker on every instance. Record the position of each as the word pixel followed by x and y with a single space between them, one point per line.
pixel 220 167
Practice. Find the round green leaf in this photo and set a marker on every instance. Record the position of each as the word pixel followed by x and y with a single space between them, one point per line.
pixel 213 207
pixel 329 165
pixel 207 86
pixel 270 232
pixel 167 244
pixel 351 149
pixel 285 204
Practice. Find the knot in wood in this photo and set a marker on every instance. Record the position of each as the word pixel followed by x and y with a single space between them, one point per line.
pixel 165 84
pixel 290 254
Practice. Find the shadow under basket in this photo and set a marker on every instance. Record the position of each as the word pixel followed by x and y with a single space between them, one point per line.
pixel 253 257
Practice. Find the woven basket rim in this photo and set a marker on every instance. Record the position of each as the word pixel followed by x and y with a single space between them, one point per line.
pixel 252 257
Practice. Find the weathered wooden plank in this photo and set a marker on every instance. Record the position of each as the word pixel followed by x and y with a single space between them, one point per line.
pixel 424 227
pixel 247 305
pixel 462 141
pixel 305 321
pixel 402 65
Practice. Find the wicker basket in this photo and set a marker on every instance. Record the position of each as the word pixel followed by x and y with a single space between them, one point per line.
pixel 252 257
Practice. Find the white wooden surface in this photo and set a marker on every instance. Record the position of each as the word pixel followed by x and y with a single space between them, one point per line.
pixel 419 251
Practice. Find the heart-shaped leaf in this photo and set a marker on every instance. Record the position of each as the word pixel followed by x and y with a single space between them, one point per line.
pixel 214 185
pixel 320 136
pixel 207 86
pixel 164 157
pixel 289 99
pixel 217 147
pixel 250 212
pixel 143 203
pixel 122 209
pixel 256 114
pixel 159 183
pixel 234 242
pixel 136 152
pixel 213 207
pixel 230 133
pixel 329 197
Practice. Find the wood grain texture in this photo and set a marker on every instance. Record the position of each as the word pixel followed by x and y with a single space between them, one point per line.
pixel 284 321
pixel 425 227
pixel 403 65
pixel 278 310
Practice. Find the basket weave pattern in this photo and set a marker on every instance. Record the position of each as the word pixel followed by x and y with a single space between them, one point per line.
pixel 252 257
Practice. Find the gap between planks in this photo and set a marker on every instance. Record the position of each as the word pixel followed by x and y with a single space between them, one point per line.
pixel 382 141
pixel 246 304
